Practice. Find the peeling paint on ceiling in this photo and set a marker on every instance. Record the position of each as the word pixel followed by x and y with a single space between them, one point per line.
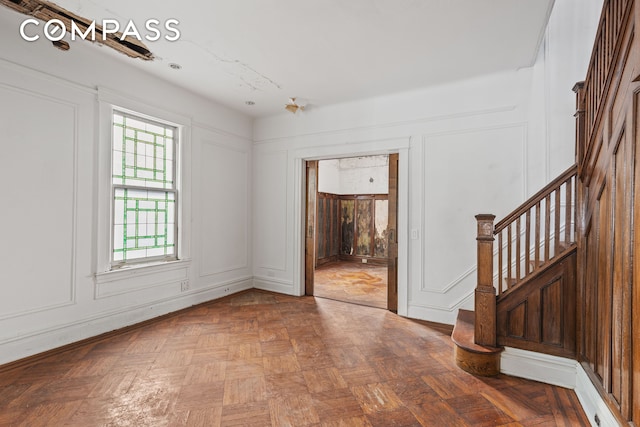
pixel 331 51
pixel 47 11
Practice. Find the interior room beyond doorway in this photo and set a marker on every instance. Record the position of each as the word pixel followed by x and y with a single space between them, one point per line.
pixel 351 252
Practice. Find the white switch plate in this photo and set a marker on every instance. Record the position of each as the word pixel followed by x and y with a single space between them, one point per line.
pixel 414 234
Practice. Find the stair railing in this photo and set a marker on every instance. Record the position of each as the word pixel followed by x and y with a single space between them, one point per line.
pixel 529 238
pixel 599 75
pixel 535 233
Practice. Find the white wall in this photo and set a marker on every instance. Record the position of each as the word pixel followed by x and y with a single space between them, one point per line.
pixel 50 164
pixel 464 151
pixel 562 61
pixel 329 176
pixel 478 146
pixel 354 175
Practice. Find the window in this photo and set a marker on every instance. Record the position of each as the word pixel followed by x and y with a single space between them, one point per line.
pixel 144 190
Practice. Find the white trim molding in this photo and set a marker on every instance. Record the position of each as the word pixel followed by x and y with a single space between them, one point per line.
pixel 296 176
pixel 561 372
pixel 273 284
pixel 591 402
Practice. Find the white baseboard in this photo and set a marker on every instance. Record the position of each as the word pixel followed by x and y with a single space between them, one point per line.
pixel 446 316
pixel 562 372
pixel 547 369
pixel 591 401
pixel 60 335
pixel 274 285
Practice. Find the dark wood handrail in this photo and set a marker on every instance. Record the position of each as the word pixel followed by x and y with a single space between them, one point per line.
pixel 535 199
pixel 530 240
pixel 599 74
pixel 535 233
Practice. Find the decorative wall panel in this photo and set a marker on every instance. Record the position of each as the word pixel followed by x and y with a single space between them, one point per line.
pixel 224 196
pixel 270 198
pixel 38 202
pixel 328 235
pixel 347 209
pixel 364 222
pixel 381 214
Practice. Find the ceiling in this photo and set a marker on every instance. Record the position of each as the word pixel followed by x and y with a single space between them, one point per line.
pixel 328 51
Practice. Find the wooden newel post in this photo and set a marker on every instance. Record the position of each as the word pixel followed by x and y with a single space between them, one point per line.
pixel 578 88
pixel 485 295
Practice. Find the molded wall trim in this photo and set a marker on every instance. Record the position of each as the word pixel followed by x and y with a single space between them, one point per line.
pixel 274 285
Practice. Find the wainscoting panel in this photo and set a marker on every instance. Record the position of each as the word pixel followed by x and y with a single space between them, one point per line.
pixel 270 196
pixel 454 195
pixel 224 185
pixel 38 169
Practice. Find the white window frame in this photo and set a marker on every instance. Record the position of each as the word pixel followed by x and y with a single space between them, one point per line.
pixel 108 103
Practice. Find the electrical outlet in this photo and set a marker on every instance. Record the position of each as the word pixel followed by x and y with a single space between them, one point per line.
pixel 364 260
pixel 184 285
pixel 597 419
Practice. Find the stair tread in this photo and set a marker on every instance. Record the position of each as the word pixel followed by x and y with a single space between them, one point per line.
pixel 464 332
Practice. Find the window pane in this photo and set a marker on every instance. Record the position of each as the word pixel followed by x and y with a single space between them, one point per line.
pixel 143 219
pixel 149 159
pixel 118 237
pixel 146 227
pixel 117 164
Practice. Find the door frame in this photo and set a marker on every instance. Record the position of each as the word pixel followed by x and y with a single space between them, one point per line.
pixel 311 229
pixel 297 170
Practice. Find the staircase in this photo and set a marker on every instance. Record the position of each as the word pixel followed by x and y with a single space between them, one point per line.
pixel 529 301
pixel 474 358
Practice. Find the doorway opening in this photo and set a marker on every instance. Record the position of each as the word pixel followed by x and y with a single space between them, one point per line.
pixel 351 247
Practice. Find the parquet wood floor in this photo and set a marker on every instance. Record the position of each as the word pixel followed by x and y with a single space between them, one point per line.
pixel 364 284
pixel 263 359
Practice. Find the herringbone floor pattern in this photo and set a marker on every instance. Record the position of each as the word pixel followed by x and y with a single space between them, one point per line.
pixel 262 359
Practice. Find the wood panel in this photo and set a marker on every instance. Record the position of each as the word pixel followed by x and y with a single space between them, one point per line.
pixel 310 225
pixel 608 165
pixel 328 229
pixel 517 321
pixel 392 282
pixel 632 365
pixel 358 232
pixel 540 315
pixel 552 308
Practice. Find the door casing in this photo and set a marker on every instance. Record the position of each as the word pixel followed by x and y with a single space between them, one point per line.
pixel 311 188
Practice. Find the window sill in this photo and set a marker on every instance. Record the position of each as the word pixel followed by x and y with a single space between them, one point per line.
pixel 139 270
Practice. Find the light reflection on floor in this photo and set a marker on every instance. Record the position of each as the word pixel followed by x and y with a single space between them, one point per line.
pixel 363 284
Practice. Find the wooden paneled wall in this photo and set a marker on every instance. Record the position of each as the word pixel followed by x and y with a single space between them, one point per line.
pixel 539 315
pixel 608 302
pixel 328 228
pixel 346 228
